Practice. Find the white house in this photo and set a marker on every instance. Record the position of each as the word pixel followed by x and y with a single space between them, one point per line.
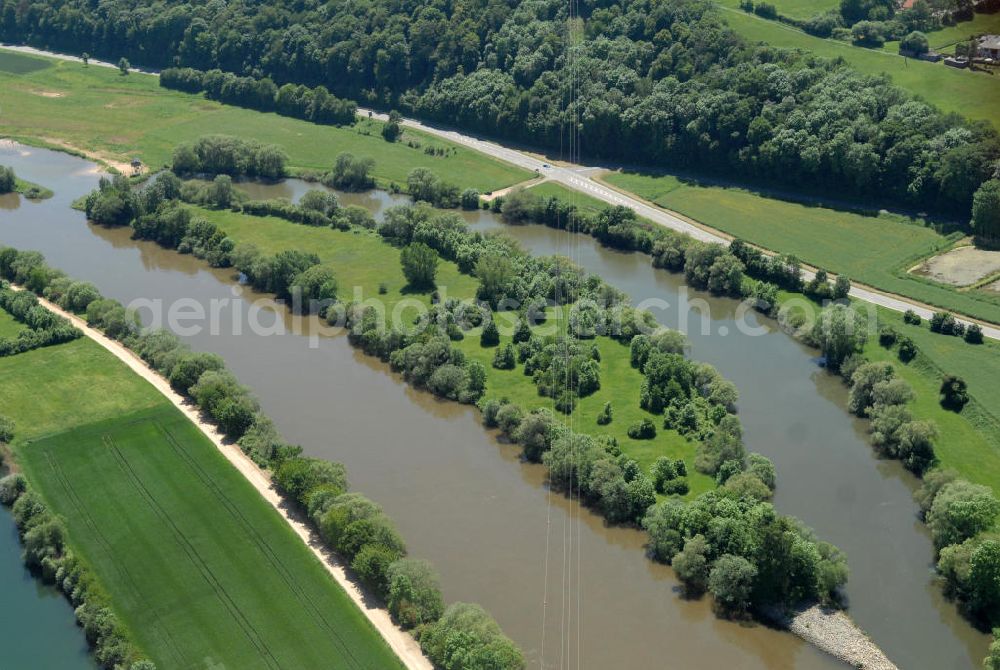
pixel 989 47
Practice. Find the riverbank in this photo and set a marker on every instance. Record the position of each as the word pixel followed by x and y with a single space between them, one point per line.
pixel 836 633
pixel 402 644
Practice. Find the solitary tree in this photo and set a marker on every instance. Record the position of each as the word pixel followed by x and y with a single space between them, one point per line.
pixel 419 265
pixel 124 65
pixel 85 58
pixel 986 212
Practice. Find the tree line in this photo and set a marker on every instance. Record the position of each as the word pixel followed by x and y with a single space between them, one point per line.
pixel 660 83
pixel 298 101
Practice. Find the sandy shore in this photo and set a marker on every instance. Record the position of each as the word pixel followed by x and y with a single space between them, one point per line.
pixel 402 643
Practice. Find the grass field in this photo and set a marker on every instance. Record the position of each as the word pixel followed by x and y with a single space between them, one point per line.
pixel 968 441
pixel 583 201
pixel 15 63
pixel 115 117
pixel 874 250
pixel 804 9
pixel 197 565
pixel 9 326
pixel 975 95
pixel 363 260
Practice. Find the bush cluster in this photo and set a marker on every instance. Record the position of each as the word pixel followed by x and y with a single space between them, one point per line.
pixel 8 180
pixel 742 551
pixel 234 156
pixel 42 327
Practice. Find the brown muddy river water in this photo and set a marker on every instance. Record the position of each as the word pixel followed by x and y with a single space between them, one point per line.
pixel 571 592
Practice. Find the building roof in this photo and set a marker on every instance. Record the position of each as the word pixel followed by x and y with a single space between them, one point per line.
pixel 989 42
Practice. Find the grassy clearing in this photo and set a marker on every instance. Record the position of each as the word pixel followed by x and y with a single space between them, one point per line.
pixel 804 9
pixel 974 95
pixel 197 565
pixel 874 250
pixel 17 63
pixel 9 326
pixel 969 441
pixel 32 191
pixel 116 117
pixel 362 261
pixel 56 388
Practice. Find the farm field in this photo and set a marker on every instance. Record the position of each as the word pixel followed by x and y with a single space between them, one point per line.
pixel 200 569
pixel 873 250
pixel 975 95
pixel 364 260
pixel 113 117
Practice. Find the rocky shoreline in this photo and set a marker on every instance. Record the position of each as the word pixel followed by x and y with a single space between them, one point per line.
pixel 835 633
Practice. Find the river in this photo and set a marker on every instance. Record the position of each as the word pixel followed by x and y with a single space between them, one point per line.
pixel 570 591
pixel 37 626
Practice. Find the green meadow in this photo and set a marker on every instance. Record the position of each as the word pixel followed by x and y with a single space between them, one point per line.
pixel 363 260
pixel 975 95
pixel 876 250
pixel 968 441
pixel 9 326
pixel 201 570
pixel 96 110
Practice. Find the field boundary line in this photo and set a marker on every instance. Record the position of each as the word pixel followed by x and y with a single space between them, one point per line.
pixel 400 642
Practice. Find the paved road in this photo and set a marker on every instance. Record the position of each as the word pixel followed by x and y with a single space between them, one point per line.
pixel 577 177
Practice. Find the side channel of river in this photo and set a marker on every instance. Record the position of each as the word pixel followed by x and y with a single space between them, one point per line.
pixel 570 591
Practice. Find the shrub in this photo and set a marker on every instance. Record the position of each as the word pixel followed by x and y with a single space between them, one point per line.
pixel 490 336
pixel 915 43
pixel 691 564
pixel 887 336
pixel 372 565
pixel 961 510
pixel 954 393
pixel 605 416
pixel 6 428
pixel 419 263
pixel 731 583
pixel 190 367
pixel 911 317
pixel 907 349
pixel 974 334
pixel 505 357
pixel 466 638
pixel 642 430
pixel 296 477
pixel 11 488
pixel 414 593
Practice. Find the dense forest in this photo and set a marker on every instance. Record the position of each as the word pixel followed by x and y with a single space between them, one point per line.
pixel 663 83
